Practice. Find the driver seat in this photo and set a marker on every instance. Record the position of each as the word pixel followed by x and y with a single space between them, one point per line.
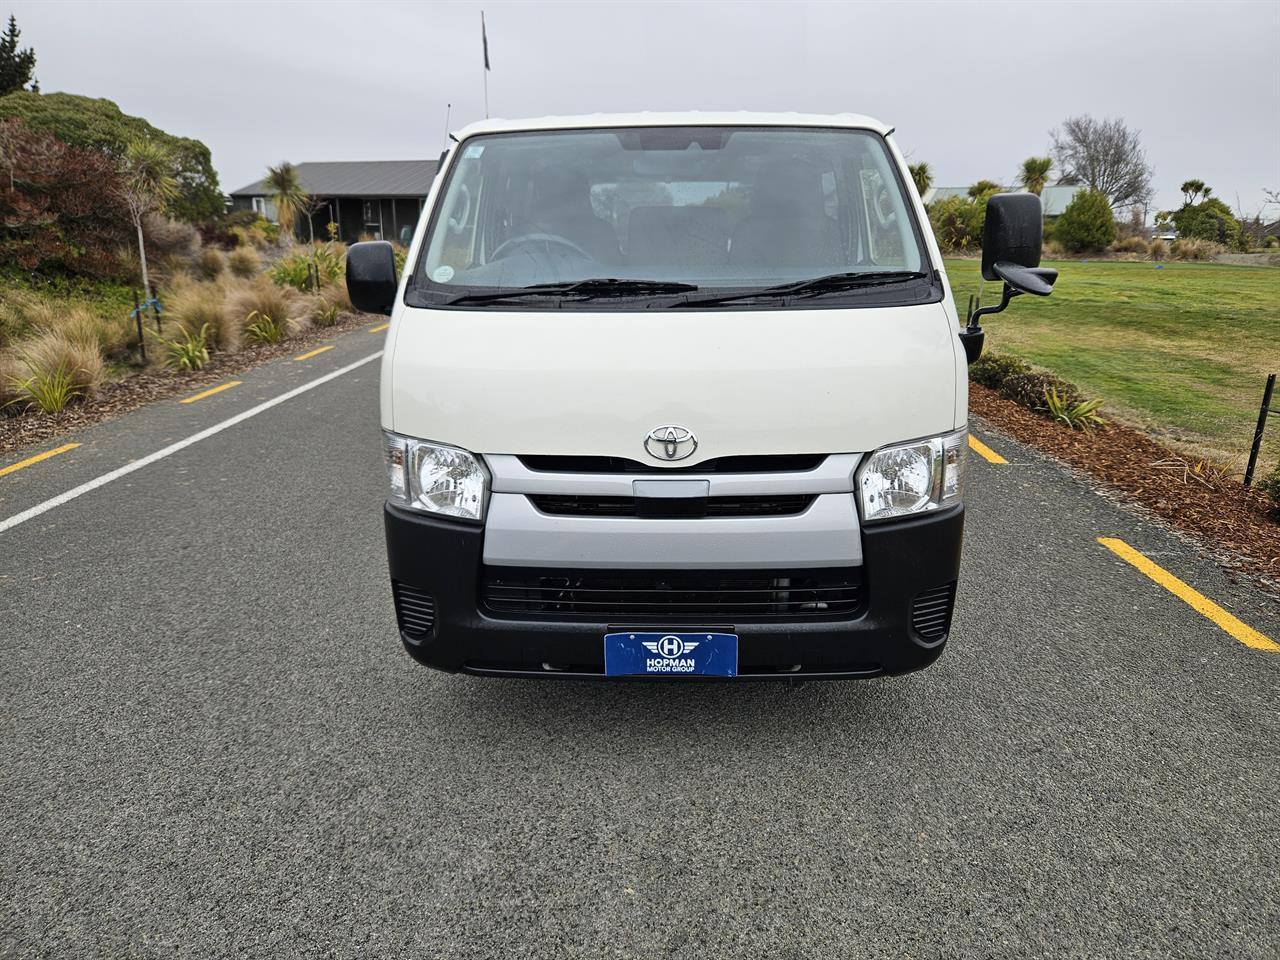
pixel 561 206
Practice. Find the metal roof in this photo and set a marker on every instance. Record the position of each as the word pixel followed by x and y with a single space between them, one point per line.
pixel 358 178
pixel 1053 200
pixel 741 118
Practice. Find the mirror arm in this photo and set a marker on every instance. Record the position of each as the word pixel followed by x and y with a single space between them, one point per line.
pixel 1008 295
pixel 972 336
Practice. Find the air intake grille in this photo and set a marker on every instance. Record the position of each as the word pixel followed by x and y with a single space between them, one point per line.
pixel 931 613
pixel 415 610
pixel 704 596
pixel 672 508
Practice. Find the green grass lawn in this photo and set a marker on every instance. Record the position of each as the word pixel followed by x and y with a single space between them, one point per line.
pixel 1180 349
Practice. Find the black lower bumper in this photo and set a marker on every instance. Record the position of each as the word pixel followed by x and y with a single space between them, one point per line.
pixel 910 569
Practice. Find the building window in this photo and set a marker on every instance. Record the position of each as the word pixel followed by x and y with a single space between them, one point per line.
pixel 371 211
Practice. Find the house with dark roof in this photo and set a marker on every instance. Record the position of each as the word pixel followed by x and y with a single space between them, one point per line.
pixel 375 198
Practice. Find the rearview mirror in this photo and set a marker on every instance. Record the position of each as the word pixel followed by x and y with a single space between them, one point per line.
pixel 1012 233
pixel 371 276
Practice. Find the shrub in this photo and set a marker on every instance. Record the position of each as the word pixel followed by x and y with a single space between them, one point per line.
pixel 298 270
pixel 1270 242
pixel 244 262
pixel 958 222
pixel 190 351
pixel 61 207
pixel 1210 220
pixel 1158 250
pixel 1029 389
pixel 993 369
pixel 1194 249
pixel 98 126
pixel 1053 250
pixel 194 306
pixel 1270 485
pixel 213 263
pixel 1078 416
pixel 53 370
pixel 1130 245
pixel 1087 223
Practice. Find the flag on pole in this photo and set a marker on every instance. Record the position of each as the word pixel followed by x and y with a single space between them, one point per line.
pixel 484 40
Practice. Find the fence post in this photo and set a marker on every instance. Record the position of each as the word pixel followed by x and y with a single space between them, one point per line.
pixel 1262 425
pixel 137 315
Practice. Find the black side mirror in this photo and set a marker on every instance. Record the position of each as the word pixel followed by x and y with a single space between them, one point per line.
pixel 1011 240
pixel 371 276
pixel 1013 232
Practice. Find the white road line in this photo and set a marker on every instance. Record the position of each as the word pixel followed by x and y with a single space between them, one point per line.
pixel 173 448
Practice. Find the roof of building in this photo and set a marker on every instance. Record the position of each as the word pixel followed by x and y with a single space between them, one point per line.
pixel 358 178
pixel 1053 200
pixel 692 118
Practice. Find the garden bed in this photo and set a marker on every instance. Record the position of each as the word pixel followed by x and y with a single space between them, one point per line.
pixel 134 390
pixel 1242 521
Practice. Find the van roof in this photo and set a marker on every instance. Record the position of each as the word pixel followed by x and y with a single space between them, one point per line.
pixel 740 118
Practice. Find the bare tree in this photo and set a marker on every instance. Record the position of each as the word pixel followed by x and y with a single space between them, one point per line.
pixel 1106 156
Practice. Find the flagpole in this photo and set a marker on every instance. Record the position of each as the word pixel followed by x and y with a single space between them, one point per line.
pixel 484 40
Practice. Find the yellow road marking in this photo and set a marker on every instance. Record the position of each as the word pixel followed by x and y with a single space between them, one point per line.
pixel 209 393
pixel 1193 598
pixel 15 467
pixel 314 353
pixel 985 452
pixel 379 329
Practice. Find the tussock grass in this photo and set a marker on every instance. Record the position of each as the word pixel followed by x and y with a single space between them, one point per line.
pixel 213 263
pixel 52 370
pixel 245 262
pixel 249 303
pixel 195 305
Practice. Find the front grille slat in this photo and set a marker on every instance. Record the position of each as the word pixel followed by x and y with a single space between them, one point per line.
pixel 764 463
pixel 664 595
pixel 931 612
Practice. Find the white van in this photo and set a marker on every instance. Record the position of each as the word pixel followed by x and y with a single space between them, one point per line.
pixel 678 395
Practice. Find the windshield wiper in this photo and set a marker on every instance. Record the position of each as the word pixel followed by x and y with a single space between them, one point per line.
pixel 581 289
pixel 816 287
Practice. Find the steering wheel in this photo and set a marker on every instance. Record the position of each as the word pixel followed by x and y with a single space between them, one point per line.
pixel 511 244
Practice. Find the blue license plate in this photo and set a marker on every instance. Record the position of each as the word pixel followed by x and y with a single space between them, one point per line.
pixel 671 654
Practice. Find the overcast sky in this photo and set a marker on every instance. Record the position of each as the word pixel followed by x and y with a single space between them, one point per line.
pixel 972 87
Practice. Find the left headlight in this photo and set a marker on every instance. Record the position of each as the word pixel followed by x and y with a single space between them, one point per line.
pixel 911 478
pixel 435 478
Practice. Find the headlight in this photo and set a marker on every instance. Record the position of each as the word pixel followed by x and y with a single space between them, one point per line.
pixel 436 479
pixel 913 477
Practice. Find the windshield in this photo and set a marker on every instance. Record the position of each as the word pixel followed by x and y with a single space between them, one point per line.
pixel 718 209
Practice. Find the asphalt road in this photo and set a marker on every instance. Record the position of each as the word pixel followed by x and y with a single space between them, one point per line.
pixel 213 744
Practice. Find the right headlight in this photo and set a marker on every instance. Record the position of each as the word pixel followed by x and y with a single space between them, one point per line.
pixel 434 478
pixel 912 478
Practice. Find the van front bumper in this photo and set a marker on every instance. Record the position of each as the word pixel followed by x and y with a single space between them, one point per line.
pixel 903 615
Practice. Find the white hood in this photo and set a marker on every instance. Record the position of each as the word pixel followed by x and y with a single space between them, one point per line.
pixel 745 382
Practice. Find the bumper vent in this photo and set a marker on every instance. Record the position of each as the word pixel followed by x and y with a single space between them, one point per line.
pixel 673 508
pixel 931 612
pixel 415 610
pixel 655 596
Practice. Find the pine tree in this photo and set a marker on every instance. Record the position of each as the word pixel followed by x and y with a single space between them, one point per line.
pixel 16 66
